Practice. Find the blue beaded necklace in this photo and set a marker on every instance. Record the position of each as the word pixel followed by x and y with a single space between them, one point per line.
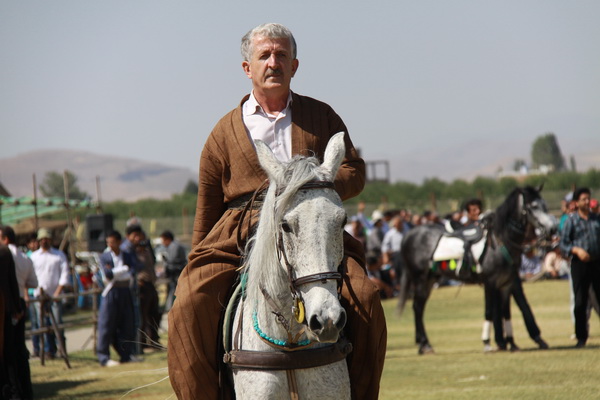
pixel 276 342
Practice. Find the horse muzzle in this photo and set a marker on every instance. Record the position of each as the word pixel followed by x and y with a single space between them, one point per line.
pixel 327 330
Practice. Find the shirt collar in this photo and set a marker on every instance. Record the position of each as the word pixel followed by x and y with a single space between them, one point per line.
pixel 251 105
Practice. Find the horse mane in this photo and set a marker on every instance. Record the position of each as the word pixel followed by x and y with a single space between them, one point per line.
pixel 505 211
pixel 262 261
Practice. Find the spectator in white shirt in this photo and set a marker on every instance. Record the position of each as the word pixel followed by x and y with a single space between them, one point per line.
pixel 390 248
pixel 52 270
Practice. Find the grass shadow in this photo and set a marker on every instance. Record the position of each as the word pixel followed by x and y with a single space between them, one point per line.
pixel 48 390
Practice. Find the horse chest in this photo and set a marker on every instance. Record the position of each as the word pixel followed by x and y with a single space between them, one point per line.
pixel 322 383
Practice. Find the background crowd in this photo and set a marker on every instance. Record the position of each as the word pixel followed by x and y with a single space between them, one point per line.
pixel 34 277
pixel 129 314
pixel 574 253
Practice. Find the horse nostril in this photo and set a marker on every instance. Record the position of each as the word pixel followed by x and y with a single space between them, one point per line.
pixel 314 324
pixel 341 322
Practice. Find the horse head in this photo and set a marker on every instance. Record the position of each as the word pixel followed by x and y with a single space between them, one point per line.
pixel 303 220
pixel 532 207
pixel 523 217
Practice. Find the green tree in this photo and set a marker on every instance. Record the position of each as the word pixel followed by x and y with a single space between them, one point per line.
pixel 507 184
pixel 459 189
pixel 519 162
pixel 483 186
pixel 545 151
pixel 191 187
pixel 53 186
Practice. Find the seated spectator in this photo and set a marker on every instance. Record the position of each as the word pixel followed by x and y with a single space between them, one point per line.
pixel 375 236
pixel 555 265
pixel 390 248
pixel 531 265
pixel 357 230
pixel 360 215
pixel 568 207
pixel 415 220
pixel 380 278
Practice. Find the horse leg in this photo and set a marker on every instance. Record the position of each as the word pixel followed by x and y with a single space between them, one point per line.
pixel 497 301
pixel 487 323
pixel 507 325
pixel 422 291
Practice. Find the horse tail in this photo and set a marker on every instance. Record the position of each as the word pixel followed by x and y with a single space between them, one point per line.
pixel 404 292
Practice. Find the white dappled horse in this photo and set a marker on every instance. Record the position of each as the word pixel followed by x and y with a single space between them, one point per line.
pixel 285 336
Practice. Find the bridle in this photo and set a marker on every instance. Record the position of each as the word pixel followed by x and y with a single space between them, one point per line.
pixel 294 282
pixel 519 226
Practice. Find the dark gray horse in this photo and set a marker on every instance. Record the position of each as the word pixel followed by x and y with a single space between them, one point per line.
pixel 519 219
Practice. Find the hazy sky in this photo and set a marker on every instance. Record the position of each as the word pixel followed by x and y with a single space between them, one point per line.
pixel 412 79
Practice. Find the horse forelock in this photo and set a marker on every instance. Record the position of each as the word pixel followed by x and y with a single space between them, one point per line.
pixel 505 212
pixel 264 266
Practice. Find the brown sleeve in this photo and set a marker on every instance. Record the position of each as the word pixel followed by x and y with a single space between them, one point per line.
pixel 350 179
pixel 210 205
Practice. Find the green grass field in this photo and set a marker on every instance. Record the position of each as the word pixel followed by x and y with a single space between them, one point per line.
pixel 458 370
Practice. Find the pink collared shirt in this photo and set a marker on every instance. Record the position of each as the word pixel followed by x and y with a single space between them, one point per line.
pixel 274 130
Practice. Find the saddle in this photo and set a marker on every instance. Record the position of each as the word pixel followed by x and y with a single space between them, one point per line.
pixel 464 247
pixel 470 234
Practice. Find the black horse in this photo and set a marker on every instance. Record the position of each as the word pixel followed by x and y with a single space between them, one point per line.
pixel 519 219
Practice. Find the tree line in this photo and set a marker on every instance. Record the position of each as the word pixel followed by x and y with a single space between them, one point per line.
pixel 545 151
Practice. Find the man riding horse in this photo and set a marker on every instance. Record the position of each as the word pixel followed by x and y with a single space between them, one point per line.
pixel 229 173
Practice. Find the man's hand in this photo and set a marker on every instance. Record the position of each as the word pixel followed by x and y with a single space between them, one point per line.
pixel 581 254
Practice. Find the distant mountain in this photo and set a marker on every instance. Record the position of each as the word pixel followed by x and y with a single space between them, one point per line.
pixel 125 179
pixel 482 158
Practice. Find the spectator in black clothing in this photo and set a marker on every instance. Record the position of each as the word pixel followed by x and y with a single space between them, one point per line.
pixel 11 312
pixel 580 239
pixel 176 260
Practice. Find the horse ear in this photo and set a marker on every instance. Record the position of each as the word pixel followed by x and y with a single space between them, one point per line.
pixel 541 187
pixel 334 154
pixel 520 202
pixel 267 159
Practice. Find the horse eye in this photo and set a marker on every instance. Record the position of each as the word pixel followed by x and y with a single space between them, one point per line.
pixel 286 227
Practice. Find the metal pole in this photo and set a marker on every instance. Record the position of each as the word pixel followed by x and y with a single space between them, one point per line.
pixel 99 206
pixel 69 233
pixel 35 207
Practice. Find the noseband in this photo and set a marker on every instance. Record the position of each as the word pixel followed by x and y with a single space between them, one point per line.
pixel 526 216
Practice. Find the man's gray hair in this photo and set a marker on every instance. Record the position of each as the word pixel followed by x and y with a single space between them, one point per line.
pixel 271 31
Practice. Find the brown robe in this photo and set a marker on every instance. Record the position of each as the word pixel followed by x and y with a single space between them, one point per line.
pixel 229 168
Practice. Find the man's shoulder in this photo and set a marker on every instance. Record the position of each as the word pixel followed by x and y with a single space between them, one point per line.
pixel 22 258
pixel 309 102
pixel 58 253
pixel 104 257
pixel 225 120
pixel 571 218
pixel 36 254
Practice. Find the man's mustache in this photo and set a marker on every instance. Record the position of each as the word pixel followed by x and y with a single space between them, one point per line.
pixel 274 72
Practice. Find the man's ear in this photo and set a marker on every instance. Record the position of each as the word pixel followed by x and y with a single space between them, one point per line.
pixel 295 64
pixel 246 68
